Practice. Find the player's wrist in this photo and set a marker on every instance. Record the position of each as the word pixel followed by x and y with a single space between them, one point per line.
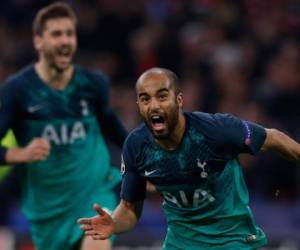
pixel 16 155
pixel 114 227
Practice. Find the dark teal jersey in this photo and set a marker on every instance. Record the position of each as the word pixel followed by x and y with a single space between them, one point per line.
pixel 75 120
pixel 205 197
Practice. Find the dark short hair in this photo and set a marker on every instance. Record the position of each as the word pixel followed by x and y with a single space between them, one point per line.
pixel 52 11
pixel 173 78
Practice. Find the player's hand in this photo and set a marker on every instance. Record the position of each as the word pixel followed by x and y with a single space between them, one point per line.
pixel 100 227
pixel 38 149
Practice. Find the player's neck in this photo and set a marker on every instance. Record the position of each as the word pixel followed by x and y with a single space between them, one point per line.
pixel 52 77
pixel 175 138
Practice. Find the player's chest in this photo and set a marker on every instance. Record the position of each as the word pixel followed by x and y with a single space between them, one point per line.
pixel 41 104
pixel 195 162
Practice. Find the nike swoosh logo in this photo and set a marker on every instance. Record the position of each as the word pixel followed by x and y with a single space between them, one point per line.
pixel 150 172
pixel 35 108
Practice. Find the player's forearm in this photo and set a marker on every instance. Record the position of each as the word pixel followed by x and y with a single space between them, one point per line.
pixel 125 216
pixel 15 156
pixel 283 144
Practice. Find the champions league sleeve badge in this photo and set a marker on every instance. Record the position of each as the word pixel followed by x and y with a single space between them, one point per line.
pixel 122 165
pixel 248 133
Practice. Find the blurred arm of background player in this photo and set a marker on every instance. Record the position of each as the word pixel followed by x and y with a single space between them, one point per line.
pixel 36 150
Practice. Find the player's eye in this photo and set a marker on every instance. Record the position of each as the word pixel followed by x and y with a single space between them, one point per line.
pixel 56 33
pixel 144 99
pixel 162 97
pixel 70 33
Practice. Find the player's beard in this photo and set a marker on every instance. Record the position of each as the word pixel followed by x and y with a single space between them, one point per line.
pixel 53 60
pixel 171 121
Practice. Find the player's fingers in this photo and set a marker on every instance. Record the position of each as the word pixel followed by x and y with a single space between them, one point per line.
pixel 98 237
pixel 37 158
pixel 37 142
pixel 46 143
pixel 86 227
pixel 42 143
pixel 90 233
pixel 86 221
pixel 39 155
pixel 42 152
pixel 39 151
pixel 99 210
pixel 44 148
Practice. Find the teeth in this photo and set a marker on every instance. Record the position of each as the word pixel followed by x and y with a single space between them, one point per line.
pixel 155 117
pixel 64 51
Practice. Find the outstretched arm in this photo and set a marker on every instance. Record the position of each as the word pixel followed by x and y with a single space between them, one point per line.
pixel 283 144
pixel 103 225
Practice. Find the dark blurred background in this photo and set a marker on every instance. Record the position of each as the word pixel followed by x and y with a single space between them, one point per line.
pixel 240 57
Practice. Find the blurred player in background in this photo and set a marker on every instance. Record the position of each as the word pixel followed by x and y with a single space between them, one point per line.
pixel 60 114
pixel 191 158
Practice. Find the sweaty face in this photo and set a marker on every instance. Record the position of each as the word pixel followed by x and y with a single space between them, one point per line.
pixel 158 105
pixel 58 43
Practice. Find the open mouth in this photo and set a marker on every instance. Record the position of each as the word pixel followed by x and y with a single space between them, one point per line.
pixel 158 122
pixel 64 53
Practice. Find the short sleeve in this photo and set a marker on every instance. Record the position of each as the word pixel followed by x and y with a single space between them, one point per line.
pixel 236 136
pixel 133 184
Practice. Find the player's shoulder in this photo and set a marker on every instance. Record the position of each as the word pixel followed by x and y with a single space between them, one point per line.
pixel 202 118
pixel 137 137
pixel 93 76
pixel 20 78
pixel 210 124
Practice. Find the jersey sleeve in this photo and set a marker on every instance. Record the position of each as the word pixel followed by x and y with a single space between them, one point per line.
pixel 230 136
pixel 237 136
pixel 7 111
pixel 110 124
pixel 133 185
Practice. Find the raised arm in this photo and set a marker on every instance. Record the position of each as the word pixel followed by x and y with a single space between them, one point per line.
pixel 282 144
pixel 103 225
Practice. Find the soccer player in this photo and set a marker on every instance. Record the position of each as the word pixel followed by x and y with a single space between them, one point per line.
pixel 60 115
pixel 191 158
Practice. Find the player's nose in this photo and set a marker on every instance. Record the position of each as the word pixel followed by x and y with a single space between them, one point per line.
pixel 65 39
pixel 154 104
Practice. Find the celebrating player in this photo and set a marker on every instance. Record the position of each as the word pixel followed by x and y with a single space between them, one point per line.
pixel 191 158
pixel 60 114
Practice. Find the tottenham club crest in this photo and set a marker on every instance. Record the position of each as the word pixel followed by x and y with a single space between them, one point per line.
pixel 202 165
pixel 84 107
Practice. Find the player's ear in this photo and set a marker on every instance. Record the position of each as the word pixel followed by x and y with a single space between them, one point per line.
pixel 179 100
pixel 37 42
